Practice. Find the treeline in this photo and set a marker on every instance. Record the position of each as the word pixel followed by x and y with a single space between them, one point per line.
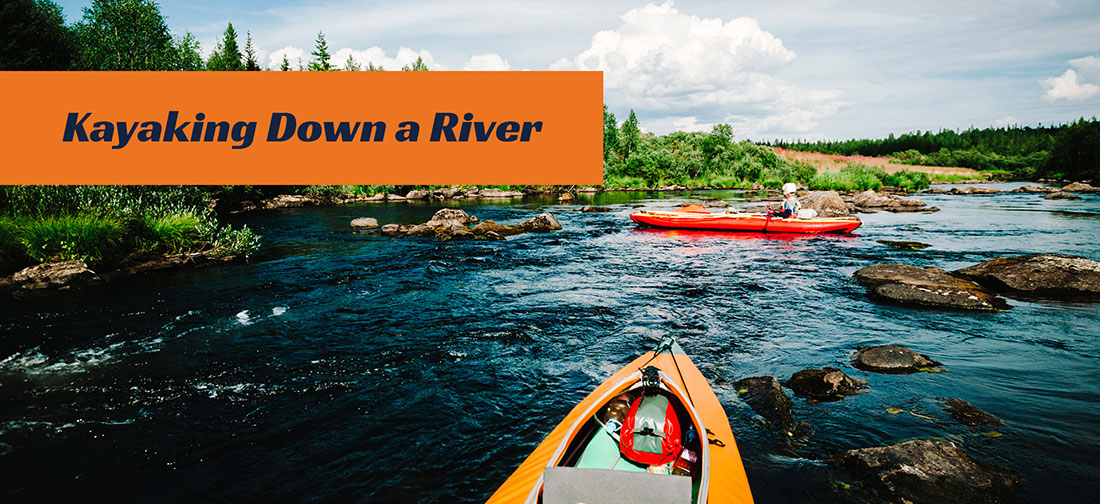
pixel 132 35
pixel 1066 151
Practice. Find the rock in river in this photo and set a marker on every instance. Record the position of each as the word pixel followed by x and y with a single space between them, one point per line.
pixel 47 278
pixel 364 223
pixel 1080 187
pixel 588 209
pixel 827 203
pixel 1054 275
pixel 451 224
pixel 1035 188
pixel 904 245
pixel 905 284
pixel 888 202
pixel 541 223
pixel 926 472
pixel 968 414
pixel 764 395
pixel 891 359
pixel 826 384
pixel 1061 195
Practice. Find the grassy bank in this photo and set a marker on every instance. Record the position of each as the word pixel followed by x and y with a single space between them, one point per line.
pixel 109 226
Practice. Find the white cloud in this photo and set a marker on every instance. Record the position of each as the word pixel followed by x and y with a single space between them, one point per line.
pixel 696 72
pixel 1071 86
pixel 1006 121
pixel 375 55
pixel 487 62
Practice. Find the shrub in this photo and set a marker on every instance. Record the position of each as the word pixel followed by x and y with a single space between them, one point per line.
pixel 13 254
pixel 172 234
pixel 907 179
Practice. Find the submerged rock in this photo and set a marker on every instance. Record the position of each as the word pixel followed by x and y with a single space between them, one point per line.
pixel 826 203
pixel 905 284
pixel 764 395
pixel 589 209
pixel 826 384
pixel 493 192
pixel 1061 195
pixel 892 359
pixel 926 472
pixel 967 413
pixel 975 190
pixel 904 245
pixel 1054 275
pixel 452 224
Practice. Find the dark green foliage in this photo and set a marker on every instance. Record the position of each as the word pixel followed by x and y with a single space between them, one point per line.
pixel 188 53
pixel 250 63
pixel 124 35
pixel 13 255
pixel 629 136
pixel 1024 153
pixel 610 134
pixel 33 36
pixel 351 66
pixel 1076 152
pixel 321 56
pixel 857 177
pixel 227 55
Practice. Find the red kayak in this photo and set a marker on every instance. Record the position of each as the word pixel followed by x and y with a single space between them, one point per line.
pixel 696 217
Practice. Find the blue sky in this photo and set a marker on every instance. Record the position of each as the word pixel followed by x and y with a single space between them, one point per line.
pixel 798 69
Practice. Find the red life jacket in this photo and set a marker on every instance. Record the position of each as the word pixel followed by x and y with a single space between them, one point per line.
pixel 651 432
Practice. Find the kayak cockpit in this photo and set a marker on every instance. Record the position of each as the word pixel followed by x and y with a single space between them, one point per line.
pixel 595 461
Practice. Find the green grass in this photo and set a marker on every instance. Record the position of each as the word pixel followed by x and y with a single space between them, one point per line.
pixel 61 238
pixel 853 177
pixel 950 178
pixel 171 234
pixel 908 180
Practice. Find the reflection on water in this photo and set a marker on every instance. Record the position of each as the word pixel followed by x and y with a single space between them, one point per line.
pixel 343 367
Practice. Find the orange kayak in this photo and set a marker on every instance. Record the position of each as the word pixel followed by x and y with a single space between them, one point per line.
pixel 695 217
pixel 581 460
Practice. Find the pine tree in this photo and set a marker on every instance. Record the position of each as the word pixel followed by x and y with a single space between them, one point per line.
pixel 351 66
pixel 372 68
pixel 417 66
pixel 188 53
pixel 321 63
pixel 286 64
pixel 250 63
pixel 629 135
pixel 227 55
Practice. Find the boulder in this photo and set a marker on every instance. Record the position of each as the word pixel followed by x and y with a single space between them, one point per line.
pixel 395 197
pixel 417 195
pixel 364 223
pixel 449 192
pixel 1061 195
pixel 904 245
pixel 393 230
pixel 764 395
pixel 905 284
pixel 926 472
pixel 826 384
pixel 493 192
pixel 287 201
pixel 377 197
pixel 451 219
pixel 892 359
pixel 967 413
pixel 49 277
pixel 718 204
pixel 937 190
pixel 888 202
pixel 1080 187
pixel 975 190
pixel 500 230
pixel 1035 188
pixel 565 197
pixel 541 223
pixel 826 203
pixel 590 209
pixel 1054 275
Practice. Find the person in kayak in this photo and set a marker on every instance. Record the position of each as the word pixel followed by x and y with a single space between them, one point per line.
pixel 790 202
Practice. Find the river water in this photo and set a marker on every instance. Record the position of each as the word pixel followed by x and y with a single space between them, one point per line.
pixel 340 367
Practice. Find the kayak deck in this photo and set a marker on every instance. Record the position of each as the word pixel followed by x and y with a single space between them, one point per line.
pixel 743 222
pixel 576 441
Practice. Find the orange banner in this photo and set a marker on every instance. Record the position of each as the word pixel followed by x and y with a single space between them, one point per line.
pixel 514 128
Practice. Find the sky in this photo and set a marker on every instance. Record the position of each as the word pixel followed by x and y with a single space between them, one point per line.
pixel 804 69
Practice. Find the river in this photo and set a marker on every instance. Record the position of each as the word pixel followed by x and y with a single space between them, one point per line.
pixel 341 367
